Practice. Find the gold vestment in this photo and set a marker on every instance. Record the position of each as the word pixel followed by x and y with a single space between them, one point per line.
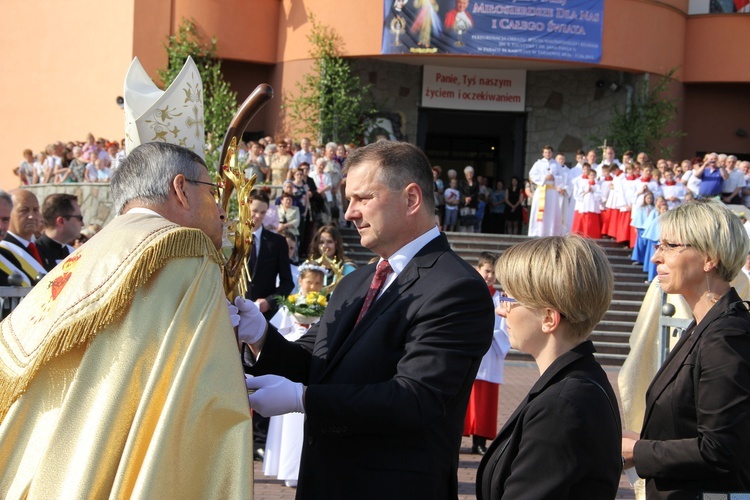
pixel 120 375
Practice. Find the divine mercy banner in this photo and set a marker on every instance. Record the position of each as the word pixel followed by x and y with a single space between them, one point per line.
pixel 565 30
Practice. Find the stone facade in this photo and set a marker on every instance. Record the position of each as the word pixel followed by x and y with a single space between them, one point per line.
pixel 564 108
pixel 396 89
pixel 95 199
pixel 567 109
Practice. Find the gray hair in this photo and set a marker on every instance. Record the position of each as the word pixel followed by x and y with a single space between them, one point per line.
pixel 7 197
pixel 468 168
pixel 271 148
pixel 146 174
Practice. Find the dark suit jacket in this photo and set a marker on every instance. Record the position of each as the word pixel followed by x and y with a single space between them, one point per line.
pixel 563 441
pixel 51 251
pixel 273 261
pixel 386 399
pixel 697 439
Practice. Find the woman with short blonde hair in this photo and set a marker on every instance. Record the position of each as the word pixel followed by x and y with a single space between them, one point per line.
pixel 563 441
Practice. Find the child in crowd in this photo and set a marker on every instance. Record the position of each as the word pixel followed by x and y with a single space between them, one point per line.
pixel 625 193
pixel 641 217
pixel 587 220
pixel 285 432
pixel 452 197
pixel 481 414
pixel 673 191
pixel 606 179
pixel 646 182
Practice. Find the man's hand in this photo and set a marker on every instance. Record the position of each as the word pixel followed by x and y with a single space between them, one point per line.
pixel 252 324
pixel 263 305
pixel 275 395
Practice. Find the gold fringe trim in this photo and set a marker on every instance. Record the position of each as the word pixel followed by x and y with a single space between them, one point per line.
pixel 178 243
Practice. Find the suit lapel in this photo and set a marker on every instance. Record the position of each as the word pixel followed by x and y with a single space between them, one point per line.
pixel 348 333
pixel 348 318
pixel 344 342
pixel 681 351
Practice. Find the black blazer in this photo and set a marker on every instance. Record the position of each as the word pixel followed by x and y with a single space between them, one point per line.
pixel 51 251
pixel 697 438
pixel 563 440
pixel 386 398
pixel 273 261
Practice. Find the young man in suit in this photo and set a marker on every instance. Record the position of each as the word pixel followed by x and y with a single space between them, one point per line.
pixel 384 377
pixel 62 224
pixel 271 261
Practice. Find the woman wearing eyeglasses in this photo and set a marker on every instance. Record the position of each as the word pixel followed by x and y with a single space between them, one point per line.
pixel 696 430
pixel 563 440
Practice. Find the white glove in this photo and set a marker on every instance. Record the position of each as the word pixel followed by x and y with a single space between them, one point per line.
pixel 233 316
pixel 275 395
pixel 252 324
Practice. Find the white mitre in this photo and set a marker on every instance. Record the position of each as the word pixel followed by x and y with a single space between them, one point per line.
pixel 174 115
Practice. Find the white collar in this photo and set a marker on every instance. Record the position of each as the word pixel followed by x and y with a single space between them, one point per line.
pixel 24 242
pixel 143 210
pixel 403 255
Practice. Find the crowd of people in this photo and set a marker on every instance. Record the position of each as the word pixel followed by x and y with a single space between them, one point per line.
pixel 615 198
pixel 591 197
pixel 311 176
pixel 92 160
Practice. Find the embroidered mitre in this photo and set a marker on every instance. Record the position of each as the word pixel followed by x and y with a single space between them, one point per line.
pixel 174 115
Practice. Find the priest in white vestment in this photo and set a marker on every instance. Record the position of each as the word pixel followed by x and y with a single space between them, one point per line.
pixel 545 218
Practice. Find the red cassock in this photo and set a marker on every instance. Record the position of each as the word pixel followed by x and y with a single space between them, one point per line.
pixel 481 414
pixel 587 224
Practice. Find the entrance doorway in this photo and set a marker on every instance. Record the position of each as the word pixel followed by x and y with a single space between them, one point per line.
pixel 491 142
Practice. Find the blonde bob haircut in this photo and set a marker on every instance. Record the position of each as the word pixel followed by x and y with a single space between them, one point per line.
pixel 712 230
pixel 569 274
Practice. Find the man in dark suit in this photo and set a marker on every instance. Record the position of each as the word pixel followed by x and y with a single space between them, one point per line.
pixel 270 263
pixel 25 221
pixel 384 378
pixel 62 224
pixel 269 260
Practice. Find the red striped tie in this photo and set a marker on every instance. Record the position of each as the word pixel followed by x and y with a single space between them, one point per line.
pixel 381 273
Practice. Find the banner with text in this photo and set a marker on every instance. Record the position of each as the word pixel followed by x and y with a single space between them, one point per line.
pixel 476 89
pixel 566 30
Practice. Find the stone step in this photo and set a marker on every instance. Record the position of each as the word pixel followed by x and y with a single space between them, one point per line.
pixel 620 316
pixel 615 326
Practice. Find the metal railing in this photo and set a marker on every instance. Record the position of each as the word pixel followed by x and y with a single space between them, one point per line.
pixel 10 297
pixel 669 327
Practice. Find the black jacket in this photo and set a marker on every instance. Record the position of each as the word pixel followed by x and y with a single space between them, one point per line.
pixel 696 431
pixel 564 439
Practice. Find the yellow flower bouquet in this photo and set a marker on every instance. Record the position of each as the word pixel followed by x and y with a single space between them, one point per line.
pixel 307 309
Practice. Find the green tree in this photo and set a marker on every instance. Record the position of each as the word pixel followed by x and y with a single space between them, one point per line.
pixel 219 100
pixel 644 124
pixel 331 104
